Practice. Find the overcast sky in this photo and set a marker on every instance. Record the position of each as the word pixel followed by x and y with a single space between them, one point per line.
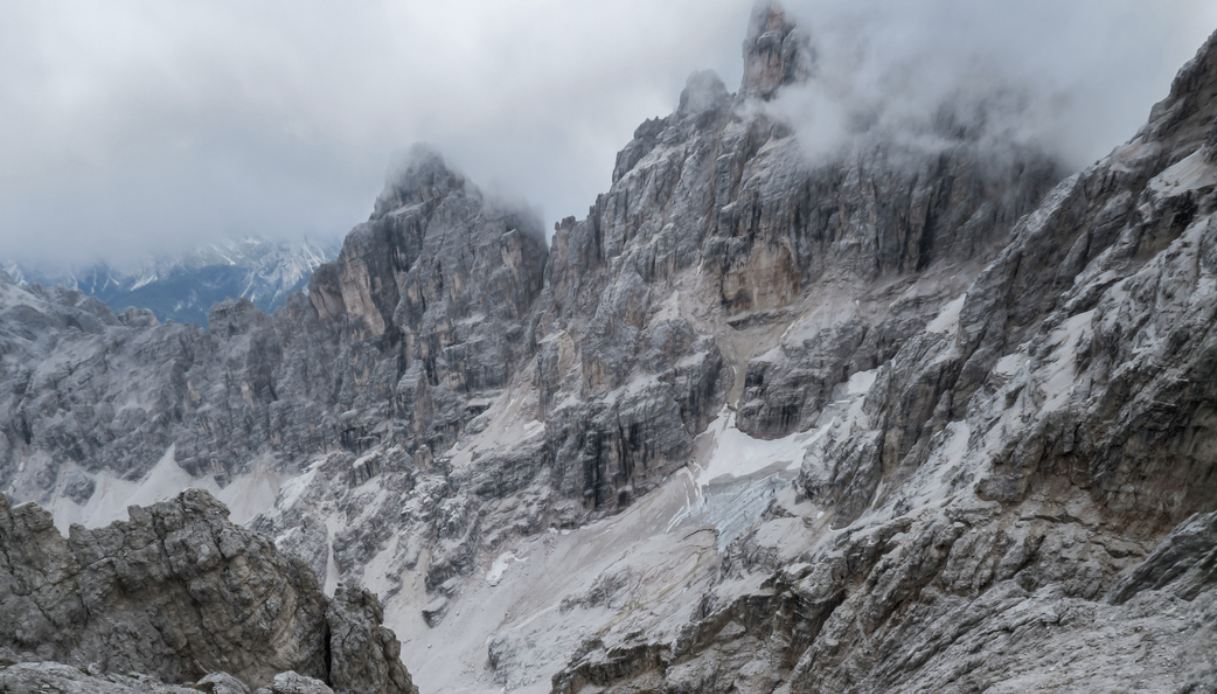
pixel 130 127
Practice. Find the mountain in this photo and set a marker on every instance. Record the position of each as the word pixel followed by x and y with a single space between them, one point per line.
pixel 184 288
pixel 903 418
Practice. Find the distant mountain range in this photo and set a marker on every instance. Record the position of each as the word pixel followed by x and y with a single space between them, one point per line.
pixel 184 288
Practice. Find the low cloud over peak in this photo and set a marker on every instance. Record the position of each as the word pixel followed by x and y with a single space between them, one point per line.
pixel 144 127
pixel 1073 78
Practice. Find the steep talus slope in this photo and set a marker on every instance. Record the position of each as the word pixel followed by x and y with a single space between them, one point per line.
pixel 178 592
pixel 1027 499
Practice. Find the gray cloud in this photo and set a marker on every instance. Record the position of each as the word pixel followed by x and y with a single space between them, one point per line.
pixel 137 126
pixel 144 126
pixel 1075 78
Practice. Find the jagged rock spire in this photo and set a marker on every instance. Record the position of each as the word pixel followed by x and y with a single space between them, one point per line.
pixel 776 52
pixel 703 90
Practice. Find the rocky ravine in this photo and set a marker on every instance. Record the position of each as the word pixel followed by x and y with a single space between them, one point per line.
pixel 918 419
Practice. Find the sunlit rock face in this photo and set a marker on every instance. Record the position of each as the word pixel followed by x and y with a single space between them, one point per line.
pixel 895 416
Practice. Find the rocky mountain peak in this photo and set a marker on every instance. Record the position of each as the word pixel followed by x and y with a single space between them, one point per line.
pixel 776 51
pixel 704 90
pixel 422 176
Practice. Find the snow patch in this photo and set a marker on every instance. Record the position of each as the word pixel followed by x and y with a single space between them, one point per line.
pixel 1057 375
pixel 331 564
pixel 499 567
pixel 734 454
pixel 376 574
pixel 947 319
pixel 143 280
pixel 860 382
pixel 509 422
pixel 246 495
pixel 1190 173
pixel 1010 364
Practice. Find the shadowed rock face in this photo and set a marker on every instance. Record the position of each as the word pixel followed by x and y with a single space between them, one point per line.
pixel 178 592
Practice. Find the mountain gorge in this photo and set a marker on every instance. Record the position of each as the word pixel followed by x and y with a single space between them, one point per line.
pixel 905 418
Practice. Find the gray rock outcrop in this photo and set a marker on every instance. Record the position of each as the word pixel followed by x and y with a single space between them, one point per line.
pixel 179 592
pixel 37 677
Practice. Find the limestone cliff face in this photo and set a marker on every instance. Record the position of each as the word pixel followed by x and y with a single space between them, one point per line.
pixel 1028 488
pixel 441 277
pixel 718 235
pixel 647 317
pixel 178 592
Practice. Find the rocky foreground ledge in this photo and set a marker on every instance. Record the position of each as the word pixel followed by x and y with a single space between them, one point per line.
pixel 178 594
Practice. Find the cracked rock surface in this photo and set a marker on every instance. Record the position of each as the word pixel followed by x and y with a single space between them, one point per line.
pixel 178 592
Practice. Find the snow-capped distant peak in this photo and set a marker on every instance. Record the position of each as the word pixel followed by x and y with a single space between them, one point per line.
pixel 184 287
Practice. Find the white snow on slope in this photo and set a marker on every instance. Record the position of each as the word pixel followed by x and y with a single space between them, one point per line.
pixel 656 574
pixel 947 319
pixel 245 496
pixel 649 565
pixel 733 476
pixel 1056 377
pixel 506 423
pixel 500 566
pixel 728 453
pixel 1191 173
pixel 734 454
